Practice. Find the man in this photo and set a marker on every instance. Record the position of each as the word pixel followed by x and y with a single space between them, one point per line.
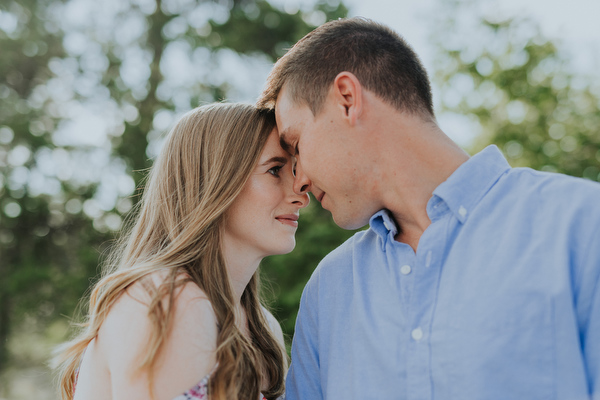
pixel 474 280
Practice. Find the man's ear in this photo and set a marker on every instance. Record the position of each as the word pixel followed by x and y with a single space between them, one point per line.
pixel 347 92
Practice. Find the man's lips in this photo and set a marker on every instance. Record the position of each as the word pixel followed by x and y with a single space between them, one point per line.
pixel 288 219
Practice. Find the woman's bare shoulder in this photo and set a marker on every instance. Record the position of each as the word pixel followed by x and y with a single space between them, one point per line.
pixel 129 315
pixel 188 350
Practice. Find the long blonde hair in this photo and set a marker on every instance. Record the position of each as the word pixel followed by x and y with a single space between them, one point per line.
pixel 203 166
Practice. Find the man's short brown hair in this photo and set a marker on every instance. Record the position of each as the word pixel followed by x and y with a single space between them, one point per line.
pixel 381 60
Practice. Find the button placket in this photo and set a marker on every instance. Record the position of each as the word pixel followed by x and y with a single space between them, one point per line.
pixel 426 271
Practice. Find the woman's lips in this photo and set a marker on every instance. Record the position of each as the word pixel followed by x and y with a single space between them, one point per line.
pixel 288 219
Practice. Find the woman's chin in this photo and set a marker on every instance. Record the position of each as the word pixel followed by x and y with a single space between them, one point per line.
pixel 284 248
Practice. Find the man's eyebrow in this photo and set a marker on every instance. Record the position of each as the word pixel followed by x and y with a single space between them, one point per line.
pixel 283 142
pixel 277 159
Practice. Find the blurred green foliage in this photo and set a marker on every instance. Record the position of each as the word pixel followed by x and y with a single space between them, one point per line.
pixel 53 227
pixel 515 87
pixel 518 89
pixel 39 275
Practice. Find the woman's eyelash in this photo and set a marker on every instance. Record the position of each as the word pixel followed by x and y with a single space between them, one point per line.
pixel 275 170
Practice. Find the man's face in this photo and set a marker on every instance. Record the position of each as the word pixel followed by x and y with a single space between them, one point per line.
pixel 328 159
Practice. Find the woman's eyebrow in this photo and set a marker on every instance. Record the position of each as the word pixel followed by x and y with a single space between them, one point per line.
pixel 282 160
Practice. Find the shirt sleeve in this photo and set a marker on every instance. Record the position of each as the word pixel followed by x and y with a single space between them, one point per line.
pixel 590 299
pixel 304 378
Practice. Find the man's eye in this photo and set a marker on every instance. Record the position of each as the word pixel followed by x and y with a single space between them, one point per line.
pixel 275 170
pixel 294 163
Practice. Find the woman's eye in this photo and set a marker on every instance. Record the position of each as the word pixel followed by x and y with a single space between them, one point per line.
pixel 275 170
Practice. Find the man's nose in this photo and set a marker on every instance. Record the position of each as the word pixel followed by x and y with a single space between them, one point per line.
pixel 301 181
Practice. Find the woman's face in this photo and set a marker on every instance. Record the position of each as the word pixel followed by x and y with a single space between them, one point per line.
pixel 263 219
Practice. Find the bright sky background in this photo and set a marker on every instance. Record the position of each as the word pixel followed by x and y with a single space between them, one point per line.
pixel 573 25
pixel 575 21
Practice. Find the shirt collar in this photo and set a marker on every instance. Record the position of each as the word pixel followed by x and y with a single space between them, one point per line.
pixel 460 192
pixel 383 225
pixel 470 182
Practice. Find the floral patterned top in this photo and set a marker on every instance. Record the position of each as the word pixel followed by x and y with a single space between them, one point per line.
pixel 200 392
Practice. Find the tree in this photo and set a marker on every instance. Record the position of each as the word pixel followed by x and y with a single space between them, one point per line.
pixel 87 90
pixel 37 270
pixel 518 89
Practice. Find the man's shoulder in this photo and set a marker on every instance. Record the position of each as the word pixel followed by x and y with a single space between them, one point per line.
pixel 554 186
pixel 532 195
pixel 551 181
pixel 359 243
pixel 339 261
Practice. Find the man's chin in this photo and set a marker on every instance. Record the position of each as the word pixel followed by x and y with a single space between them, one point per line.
pixel 348 222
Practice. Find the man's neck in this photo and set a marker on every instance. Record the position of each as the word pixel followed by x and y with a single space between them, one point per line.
pixel 419 157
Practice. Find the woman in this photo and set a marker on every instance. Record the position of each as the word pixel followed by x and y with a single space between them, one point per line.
pixel 180 299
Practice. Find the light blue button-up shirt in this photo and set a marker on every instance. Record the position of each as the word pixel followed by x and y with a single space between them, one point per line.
pixel 500 301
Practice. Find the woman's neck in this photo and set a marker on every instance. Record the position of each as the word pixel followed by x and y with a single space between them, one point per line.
pixel 241 264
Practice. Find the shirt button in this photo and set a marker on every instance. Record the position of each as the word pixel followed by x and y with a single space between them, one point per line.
pixel 462 211
pixel 388 225
pixel 405 269
pixel 417 334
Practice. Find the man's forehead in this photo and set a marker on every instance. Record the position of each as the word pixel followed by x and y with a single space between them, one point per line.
pixel 284 124
pixel 288 108
pixel 291 118
pixel 282 102
pixel 286 115
pixel 282 111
